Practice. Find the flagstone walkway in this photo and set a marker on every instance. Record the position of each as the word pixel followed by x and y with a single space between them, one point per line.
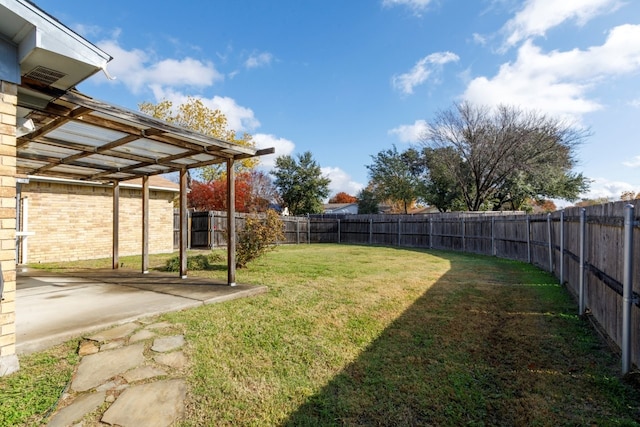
pixel 129 376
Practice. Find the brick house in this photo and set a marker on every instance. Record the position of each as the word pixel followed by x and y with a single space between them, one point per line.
pixel 66 220
pixel 49 129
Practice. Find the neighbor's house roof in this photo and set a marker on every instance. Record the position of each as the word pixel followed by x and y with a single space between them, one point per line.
pixel 339 207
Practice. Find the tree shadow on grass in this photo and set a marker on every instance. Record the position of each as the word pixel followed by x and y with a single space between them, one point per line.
pixel 492 342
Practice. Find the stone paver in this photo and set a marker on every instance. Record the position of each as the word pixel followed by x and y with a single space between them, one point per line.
pixel 166 344
pixel 98 368
pixel 155 404
pixel 115 333
pixel 110 374
pixel 176 359
pixel 141 336
pixel 87 348
pixel 144 373
pixel 74 412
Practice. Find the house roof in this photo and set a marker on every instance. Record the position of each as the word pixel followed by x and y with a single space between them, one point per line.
pixel 79 137
pixel 46 50
pixel 337 207
pixel 66 134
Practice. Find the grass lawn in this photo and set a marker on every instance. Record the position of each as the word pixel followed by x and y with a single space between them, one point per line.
pixel 355 335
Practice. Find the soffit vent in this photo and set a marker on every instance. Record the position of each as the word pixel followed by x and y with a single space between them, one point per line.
pixel 45 75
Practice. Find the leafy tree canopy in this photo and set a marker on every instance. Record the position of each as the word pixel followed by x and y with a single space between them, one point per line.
pixel 196 116
pixel 367 201
pixel 483 158
pixel 254 193
pixel 301 184
pixel 343 197
pixel 395 176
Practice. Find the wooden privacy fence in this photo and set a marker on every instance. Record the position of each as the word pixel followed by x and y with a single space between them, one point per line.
pixel 583 247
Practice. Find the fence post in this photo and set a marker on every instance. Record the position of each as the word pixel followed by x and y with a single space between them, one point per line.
pixel 583 217
pixel 298 231
pixel 212 231
pixel 399 232
pixel 528 239
pixel 627 290
pixel 464 246
pixel 371 231
pixel 338 219
pixel 562 247
pixel 308 230
pixel 493 237
pixel 189 225
pixel 550 246
pixel 430 233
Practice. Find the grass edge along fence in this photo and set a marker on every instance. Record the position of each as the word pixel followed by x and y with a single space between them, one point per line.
pixel 590 250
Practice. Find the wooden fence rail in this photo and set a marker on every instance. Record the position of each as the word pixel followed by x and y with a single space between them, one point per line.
pixel 550 241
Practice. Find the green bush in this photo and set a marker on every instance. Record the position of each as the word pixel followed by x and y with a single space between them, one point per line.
pixel 259 235
pixel 217 256
pixel 196 262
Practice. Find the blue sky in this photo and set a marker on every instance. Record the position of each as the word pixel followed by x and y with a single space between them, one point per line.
pixel 346 79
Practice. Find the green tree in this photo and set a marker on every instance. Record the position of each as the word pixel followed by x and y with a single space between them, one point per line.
pixel 194 115
pixel 504 156
pixel 440 189
pixel 393 176
pixel 367 201
pixel 300 183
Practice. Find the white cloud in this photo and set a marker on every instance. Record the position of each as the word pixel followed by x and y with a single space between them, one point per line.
pixel 410 133
pixel 87 31
pixel 256 60
pixel 635 103
pixel 421 71
pixel 138 69
pixel 417 6
pixel 538 16
pixel 239 118
pixel 341 181
pixel 283 147
pixel 479 39
pixel 633 163
pixel 558 82
pixel 612 190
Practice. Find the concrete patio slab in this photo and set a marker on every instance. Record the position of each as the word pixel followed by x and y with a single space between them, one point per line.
pixel 52 307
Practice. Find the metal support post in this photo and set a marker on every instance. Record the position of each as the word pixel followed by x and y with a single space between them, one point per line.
pixel 550 245
pixel 562 247
pixel 583 221
pixel 627 290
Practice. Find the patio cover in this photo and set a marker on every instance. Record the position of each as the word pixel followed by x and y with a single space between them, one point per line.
pixel 67 134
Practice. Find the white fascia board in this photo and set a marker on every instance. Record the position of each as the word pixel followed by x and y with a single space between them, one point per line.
pixel 49 34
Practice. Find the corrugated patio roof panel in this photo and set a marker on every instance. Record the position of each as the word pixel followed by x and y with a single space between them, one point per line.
pixel 79 137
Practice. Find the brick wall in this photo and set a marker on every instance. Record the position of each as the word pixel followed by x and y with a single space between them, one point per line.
pixel 74 221
pixel 8 101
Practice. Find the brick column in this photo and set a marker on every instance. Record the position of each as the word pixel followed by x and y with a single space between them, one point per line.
pixel 8 105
